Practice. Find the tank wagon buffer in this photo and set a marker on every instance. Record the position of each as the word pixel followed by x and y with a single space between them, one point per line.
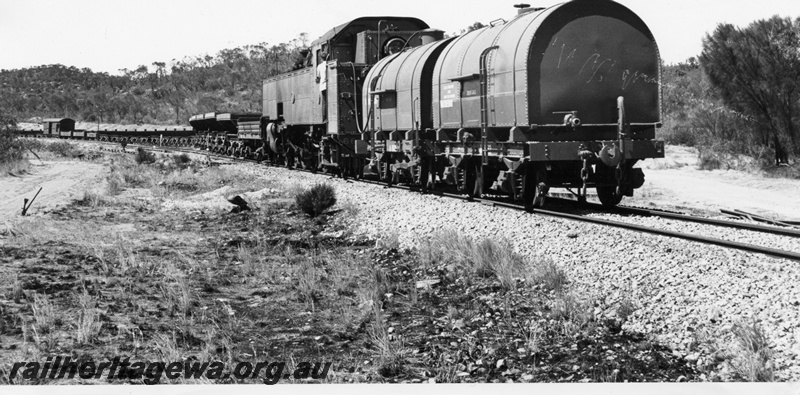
pixel 562 97
pixel 313 115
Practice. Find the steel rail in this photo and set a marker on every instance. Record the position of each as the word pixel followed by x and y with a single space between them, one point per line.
pixel 709 221
pixel 686 236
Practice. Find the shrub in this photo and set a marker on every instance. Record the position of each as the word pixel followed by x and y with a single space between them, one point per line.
pixel 61 148
pixel 709 161
pixel 144 157
pixel 182 161
pixel 316 200
pixel 11 148
pixel 676 134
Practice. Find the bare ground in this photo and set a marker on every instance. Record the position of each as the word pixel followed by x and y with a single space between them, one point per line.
pixel 62 181
pixel 675 183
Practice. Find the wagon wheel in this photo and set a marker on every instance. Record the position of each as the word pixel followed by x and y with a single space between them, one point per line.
pixel 474 186
pixel 386 172
pixel 358 170
pixel 424 178
pixel 534 187
pixel 608 196
pixel 430 183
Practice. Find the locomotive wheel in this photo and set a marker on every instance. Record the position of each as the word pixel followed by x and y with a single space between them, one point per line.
pixel 608 196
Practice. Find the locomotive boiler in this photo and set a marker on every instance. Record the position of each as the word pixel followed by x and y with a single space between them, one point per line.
pixel 560 97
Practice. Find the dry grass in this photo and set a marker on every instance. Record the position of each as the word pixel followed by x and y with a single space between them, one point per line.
pixel 751 356
pixel 487 257
pixel 388 240
pixel 549 274
pixel 15 168
pixel 44 314
pixel 16 293
pixel 574 314
pixel 626 308
pixel 87 324
pixel 308 279
pixel 389 351
pixel 172 176
pixel 92 198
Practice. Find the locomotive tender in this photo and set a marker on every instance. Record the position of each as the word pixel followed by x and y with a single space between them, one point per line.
pixel 563 97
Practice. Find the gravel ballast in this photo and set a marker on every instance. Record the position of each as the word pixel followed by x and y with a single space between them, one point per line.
pixel 684 290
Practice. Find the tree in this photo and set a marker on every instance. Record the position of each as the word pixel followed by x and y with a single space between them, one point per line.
pixel 756 71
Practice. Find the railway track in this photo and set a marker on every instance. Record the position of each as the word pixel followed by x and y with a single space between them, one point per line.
pixel 786 232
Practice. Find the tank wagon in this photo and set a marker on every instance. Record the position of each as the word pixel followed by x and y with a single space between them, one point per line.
pixel 560 97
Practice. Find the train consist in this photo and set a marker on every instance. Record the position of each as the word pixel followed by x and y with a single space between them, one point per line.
pixel 65 128
pixel 560 97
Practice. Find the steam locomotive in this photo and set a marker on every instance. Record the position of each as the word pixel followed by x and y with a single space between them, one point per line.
pixel 560 97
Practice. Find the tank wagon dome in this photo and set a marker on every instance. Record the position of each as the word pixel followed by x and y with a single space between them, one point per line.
pixel 575 56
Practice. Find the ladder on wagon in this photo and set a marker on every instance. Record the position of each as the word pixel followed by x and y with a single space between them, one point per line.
pixel 484 86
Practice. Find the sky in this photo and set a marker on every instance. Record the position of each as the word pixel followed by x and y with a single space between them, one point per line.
pixel 109 35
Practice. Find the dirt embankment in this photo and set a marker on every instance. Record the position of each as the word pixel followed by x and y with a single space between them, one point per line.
pixel 61 181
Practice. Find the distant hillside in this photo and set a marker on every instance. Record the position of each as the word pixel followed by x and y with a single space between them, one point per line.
pixel 170 93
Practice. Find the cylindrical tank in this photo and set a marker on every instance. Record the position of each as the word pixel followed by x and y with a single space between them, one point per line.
pixel 397 90
pixel 573 58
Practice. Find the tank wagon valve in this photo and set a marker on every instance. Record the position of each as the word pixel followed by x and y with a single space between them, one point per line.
pixel 570 118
